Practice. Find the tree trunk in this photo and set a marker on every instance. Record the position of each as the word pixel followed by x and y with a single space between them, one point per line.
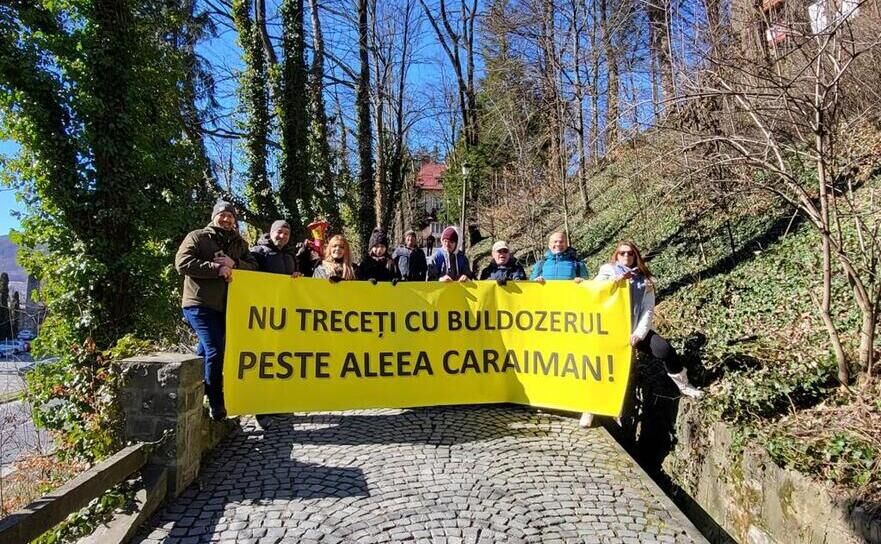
pixel 294 187
pixel 612 89
pixel 367 196
pixel 826 301
pixel 255 100
pixel 657 12
pixel 579 111
pixel 594 132
pixel 329 203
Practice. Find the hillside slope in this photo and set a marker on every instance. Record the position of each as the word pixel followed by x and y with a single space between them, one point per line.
pixel 736 275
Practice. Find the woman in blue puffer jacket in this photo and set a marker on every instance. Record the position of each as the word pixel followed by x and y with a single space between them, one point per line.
pixel 560 262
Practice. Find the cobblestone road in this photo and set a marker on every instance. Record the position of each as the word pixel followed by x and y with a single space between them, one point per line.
pixel 438 475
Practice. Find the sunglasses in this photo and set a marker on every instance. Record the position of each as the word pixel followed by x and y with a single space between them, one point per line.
pixel 625 253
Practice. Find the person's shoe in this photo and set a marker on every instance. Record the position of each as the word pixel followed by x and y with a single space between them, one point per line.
pixel 681 381
pixel 263 422
pixel 217 414
pixel 586 420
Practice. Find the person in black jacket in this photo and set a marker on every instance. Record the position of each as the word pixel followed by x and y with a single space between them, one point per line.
pixel 273 255
pixel 378 266
pixel 410 259
pixel 273 252
pixel 504 265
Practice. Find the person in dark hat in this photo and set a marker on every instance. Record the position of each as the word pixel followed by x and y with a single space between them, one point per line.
pixel 412 265
pixel 206 259
pixel 273 251
pixel 274 255
pixel 378 266
pixel 448 263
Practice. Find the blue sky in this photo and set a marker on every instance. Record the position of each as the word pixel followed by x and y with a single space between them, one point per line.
pixel 7 197
pixel 224 55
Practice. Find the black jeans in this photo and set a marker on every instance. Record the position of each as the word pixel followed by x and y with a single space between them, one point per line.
pixel 658 347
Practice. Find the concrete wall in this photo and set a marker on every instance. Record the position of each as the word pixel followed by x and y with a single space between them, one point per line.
pixel 752 498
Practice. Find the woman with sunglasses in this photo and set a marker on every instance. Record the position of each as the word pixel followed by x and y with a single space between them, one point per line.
pixel 626 264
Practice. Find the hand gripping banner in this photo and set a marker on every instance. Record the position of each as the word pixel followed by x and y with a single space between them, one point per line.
pixel 302 344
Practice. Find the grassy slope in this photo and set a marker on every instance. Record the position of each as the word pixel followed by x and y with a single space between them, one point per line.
pixel 737 282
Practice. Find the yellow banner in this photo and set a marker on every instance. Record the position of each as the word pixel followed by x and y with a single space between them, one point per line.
pixel 302 344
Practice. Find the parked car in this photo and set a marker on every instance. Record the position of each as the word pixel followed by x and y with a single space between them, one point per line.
pixel 26 335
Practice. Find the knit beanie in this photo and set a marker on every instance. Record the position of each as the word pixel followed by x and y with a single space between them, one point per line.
pixel 279 224
pixel 450 234
pixel 378 238
pixel 224 206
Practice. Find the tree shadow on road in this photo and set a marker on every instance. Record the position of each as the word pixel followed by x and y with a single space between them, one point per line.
pixel 263 471
pixel 438 425
pixel 249 470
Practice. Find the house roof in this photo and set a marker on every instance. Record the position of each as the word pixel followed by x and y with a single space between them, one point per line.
pixel 429 175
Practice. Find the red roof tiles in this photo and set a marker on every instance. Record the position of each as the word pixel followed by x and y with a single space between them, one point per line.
pixel 429 175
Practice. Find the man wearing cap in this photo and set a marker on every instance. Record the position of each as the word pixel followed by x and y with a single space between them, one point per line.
pixel 504 266
pixel 206 259
pixel 411 262
pixel 447 263
pixel 272 252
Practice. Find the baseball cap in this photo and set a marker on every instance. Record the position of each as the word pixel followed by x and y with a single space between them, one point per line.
pixel 500 245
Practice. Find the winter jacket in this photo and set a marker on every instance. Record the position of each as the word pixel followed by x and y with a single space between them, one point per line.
pixel 383 269
pixel 307 260
pixel 559 266
pixel 321 271
pixel 440 265
pixel 508 271
pixel 640 315
pixel 412 265
pixel 271 259
pixel 195 262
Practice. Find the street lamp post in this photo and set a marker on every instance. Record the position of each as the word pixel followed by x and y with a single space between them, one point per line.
pixel 464 196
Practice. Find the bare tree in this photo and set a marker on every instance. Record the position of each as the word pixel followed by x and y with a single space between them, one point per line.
pixel 787 120
pixel 455 32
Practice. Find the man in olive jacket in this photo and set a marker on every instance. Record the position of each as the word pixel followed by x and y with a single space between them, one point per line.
pixel 206 259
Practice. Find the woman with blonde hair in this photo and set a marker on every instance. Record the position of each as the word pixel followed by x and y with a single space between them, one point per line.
pixel 627 264
pixel 337 264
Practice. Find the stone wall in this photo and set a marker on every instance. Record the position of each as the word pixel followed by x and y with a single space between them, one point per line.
pixel 162 400
pixel 751 497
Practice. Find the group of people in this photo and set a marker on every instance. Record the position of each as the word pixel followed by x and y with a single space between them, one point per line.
pixel 207 257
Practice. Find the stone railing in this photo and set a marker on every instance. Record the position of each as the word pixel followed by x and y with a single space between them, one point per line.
pixel 162 400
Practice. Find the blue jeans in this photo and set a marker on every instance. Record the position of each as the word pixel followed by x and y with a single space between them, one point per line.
pixel 209 326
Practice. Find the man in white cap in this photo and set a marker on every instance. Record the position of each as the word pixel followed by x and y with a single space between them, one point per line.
pixel 504 265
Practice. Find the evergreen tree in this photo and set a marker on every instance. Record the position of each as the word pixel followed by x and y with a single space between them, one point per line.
pixel 5 321
pixel 14 315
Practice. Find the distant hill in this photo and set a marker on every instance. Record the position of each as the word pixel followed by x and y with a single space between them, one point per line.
pixel 17 276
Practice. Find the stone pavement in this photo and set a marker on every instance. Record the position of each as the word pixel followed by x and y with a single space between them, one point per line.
pixel 476 474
